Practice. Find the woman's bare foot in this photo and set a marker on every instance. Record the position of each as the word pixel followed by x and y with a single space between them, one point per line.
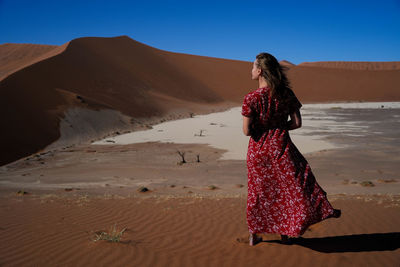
pixel 254 239
pixel 336 213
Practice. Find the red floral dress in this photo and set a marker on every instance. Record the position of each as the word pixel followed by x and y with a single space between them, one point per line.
pixel 283 195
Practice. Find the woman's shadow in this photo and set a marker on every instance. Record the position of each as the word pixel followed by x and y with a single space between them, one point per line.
pixel 349 243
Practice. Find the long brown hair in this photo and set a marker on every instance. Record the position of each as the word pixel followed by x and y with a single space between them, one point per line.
pixel 274 73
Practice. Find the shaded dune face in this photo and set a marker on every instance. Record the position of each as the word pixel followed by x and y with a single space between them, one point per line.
pixel 140 81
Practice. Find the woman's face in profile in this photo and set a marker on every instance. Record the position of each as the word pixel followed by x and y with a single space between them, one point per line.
pixel 255 71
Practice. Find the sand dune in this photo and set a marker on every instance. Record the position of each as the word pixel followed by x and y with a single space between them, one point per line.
pixel 99 73
pixel 139 85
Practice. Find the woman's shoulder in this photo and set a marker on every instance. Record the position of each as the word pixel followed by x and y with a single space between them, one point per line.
pixel 252 97
pixel 256 92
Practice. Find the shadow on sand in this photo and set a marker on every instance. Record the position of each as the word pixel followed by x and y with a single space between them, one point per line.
pixel 349 243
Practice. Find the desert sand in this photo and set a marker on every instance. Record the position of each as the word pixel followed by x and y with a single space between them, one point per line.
pixel 193 214
pixel 188 231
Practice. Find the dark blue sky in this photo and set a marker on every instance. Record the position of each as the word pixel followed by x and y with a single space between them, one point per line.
pixel 298 31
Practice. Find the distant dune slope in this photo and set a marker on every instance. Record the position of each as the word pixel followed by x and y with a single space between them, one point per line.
pixel 140 81
pixel 319 84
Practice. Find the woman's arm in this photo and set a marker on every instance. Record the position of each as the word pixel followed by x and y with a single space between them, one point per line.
pixel 246 125
pixel 295 120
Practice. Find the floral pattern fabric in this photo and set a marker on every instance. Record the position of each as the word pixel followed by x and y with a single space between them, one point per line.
pixel 283 194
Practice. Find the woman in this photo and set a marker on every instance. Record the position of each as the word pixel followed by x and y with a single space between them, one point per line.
pixel 283 195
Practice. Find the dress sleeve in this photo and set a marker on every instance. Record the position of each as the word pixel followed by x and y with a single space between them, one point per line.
pixel 294 103
pixel 248 105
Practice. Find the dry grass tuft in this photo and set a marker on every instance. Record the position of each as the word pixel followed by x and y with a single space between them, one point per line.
pixel 113 235
pixel 367 183
pixel 212 187
pixel 387 180
pixel 22 192
pixel 143 189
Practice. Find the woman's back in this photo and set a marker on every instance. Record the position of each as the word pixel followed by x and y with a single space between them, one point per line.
pixel 269 112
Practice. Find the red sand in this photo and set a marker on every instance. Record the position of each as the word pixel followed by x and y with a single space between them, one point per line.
pixel 55 230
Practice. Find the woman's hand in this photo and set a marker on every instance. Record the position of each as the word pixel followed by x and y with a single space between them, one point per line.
pixel 295 120
pixel 247 125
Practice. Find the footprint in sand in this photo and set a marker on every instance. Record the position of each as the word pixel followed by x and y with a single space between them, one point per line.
pixel 387 180
pixel 242 239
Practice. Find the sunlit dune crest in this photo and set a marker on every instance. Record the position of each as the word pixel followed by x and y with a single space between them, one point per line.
pixel 286 63
pixel 354 65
